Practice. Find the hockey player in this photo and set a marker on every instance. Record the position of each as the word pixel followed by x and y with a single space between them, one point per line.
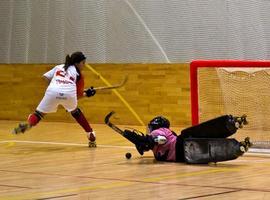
pixel 204 143
pixel 66 86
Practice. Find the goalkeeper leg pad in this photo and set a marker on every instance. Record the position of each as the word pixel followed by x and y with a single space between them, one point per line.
pixel 204 150
pixel 220 127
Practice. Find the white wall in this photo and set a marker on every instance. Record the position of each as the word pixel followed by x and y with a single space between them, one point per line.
pixel 134 31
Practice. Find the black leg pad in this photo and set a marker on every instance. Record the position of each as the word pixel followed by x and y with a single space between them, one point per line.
pixel 205 150
pixel 220 127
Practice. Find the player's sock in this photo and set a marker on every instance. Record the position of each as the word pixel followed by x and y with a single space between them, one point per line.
pixel 92 139
pixel 80 118
pixel 34 118
pixel 91 136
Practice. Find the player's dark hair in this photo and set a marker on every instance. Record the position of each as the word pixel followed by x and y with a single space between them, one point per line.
pixel 76 57
pixel 158 122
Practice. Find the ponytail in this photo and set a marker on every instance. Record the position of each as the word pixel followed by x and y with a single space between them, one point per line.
pixel 67 62
pixel 76 57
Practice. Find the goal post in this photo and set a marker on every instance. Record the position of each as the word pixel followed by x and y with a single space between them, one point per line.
pixel 234 87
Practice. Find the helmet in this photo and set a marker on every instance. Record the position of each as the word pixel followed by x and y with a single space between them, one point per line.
pixel 158 122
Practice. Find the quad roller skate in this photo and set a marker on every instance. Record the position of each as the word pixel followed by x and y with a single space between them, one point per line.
pixel 21 128
pixel 244 145
pixel 92 139
pixel 240 121
pixel 92 144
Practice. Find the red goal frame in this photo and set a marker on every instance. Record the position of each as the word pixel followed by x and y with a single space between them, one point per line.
pixel 196 64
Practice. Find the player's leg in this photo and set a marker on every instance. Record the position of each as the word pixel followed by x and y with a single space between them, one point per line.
pixel 220 127
pixel 48 104
pixel 78 115
pixel 32 120
pixel 202 150
pixel 70 104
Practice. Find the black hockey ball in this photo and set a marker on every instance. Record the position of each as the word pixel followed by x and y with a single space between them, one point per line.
pixel 128 155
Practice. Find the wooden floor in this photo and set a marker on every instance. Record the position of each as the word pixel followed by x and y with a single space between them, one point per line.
pixel 52 161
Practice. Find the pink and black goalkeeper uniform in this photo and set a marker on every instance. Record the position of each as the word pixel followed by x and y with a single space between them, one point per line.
pixel 167 151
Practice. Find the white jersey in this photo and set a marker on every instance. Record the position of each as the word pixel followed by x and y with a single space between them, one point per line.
pixel 62 90
pixel 62 80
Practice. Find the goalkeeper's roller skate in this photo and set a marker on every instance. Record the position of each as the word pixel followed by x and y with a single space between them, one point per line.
pixel 244 145
pixel 240 121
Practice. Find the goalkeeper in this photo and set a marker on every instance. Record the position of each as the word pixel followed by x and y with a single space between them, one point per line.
pixel 203 143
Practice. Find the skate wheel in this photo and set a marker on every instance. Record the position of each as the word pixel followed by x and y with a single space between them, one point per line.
pixel 237 124
pixel 92 144
pixel 242 149
pixel 247 141
pixel 244 119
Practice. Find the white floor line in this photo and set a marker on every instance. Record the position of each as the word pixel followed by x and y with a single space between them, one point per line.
pixel 64 143
pixel 251 151
pixel 257 150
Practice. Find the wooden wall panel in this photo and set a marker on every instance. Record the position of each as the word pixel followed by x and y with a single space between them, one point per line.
pixel 151 89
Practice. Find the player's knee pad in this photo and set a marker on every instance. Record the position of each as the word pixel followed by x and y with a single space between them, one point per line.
pixel 76 113
pixel 204 150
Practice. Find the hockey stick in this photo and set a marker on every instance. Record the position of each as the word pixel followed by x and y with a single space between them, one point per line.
pixel 114 127
pixel 111 125
pixel 133 137
pixel 142 142
pixel 113 86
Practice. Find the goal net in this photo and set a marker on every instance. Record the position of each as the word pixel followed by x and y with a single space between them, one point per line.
pixel 233 87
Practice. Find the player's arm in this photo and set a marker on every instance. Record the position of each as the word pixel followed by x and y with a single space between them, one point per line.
pixel 49 75
pixel 81 92
pixel 47 79
pixel 158 136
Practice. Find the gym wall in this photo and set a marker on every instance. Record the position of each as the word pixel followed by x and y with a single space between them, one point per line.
pixel 151 89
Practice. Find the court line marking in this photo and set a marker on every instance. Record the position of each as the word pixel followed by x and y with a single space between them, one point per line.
pixel 15 186
pixel 64 143
pixel 257 150
pixel 251 152
pixel 123 182
pixel 54 197
pixel 149 180
pixel 211 194
pixel 119 182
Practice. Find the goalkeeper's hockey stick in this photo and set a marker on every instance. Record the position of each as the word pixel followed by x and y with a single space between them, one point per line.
pixel 113 86
pixel 107 121
pixel 142 142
